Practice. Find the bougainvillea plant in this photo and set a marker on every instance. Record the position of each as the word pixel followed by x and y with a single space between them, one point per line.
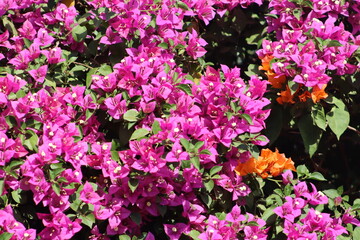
pixel 113 124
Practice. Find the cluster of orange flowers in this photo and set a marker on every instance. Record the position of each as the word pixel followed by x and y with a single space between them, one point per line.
pixel 268 163
pixel 286 96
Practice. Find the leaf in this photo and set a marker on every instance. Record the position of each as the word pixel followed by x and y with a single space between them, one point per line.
pixel 16 195
pixel 5 236
pixel 164 45
pixel 247 117
pixel 356 233
pixel 293 86
pixel 338 119
pixel 56 188
pixel 124 237
pixel 209 185
pixel 302 170
pixel 214 170
pixel 310 134
pixel 156 127
pixel 79 33
pixel 198 145
pixel 331 193
pixel 183 6
pixel 317 176
pixel 274 124
pixel 318 116
pixel 136 217
pixel 253 69
pixel 131 115
pixel 194 234
pixel 139 133
pixel 105 69
pixel 185 143
pixel 88 219
pixel 2 184
pixel 196 162
pixel 133 184
pixel 205 151
pixel 186 88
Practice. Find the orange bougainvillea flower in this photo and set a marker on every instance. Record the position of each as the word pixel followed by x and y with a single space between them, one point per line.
pixel 276 81
pixel 265 61
pixel 303 97
pixel 285 96
pixel 68 3
pixel 268 163
pixel 318 93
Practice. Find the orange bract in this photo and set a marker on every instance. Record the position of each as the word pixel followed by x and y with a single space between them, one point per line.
pixel 266 63
pixel 276 81
pixel 318 93
pixel 269 162
pixel 68 3
pixel 285 96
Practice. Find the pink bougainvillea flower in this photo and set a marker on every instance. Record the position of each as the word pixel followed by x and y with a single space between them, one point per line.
pixel 39 74
pixel 174 231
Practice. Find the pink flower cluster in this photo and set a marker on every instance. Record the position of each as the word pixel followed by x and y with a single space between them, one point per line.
pixel 302 220
pixel 312 44
pixel 50 137
pixel 190 124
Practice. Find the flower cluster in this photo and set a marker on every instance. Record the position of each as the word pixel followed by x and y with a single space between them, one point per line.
pixel 268 162
pixel 311 47
pixel 112 123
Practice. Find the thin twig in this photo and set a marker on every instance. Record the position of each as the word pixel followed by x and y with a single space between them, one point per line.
pixel 354 129
pixel 85 65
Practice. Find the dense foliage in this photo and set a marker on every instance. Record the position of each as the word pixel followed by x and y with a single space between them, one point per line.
pixel 153 119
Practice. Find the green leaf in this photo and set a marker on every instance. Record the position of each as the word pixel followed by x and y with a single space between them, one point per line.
pixel 88 219
pixel 89 76
pixel 318 115
pixel 198 145
pixel 2 184
pixel 139 133
pixel 186 88
pixel 331 193
pixel 214 170
pixel 79 33
pixel 6 236
pixel 31 141
pixel 247 118
pixel 274 124
pixel 310 134
pixel 124 237
pixel 136 217
pixel 205 151
pixel 338 119
pixel 302 170
pixel 209 185
pixel 183 6
pixel 164 45
pixel 9 25
pixel 156 127
pixel 133 184
pixel 16 195
pixel 185 143
pixel 56 188
pixel 196 162
pixel 317 176
pixel 105 69
pixel 356 233
pixel 194 234
pixel 293 86
pixel 131 115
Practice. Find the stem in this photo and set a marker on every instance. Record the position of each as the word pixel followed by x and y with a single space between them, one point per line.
pixel 82 64
pixel 354 129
